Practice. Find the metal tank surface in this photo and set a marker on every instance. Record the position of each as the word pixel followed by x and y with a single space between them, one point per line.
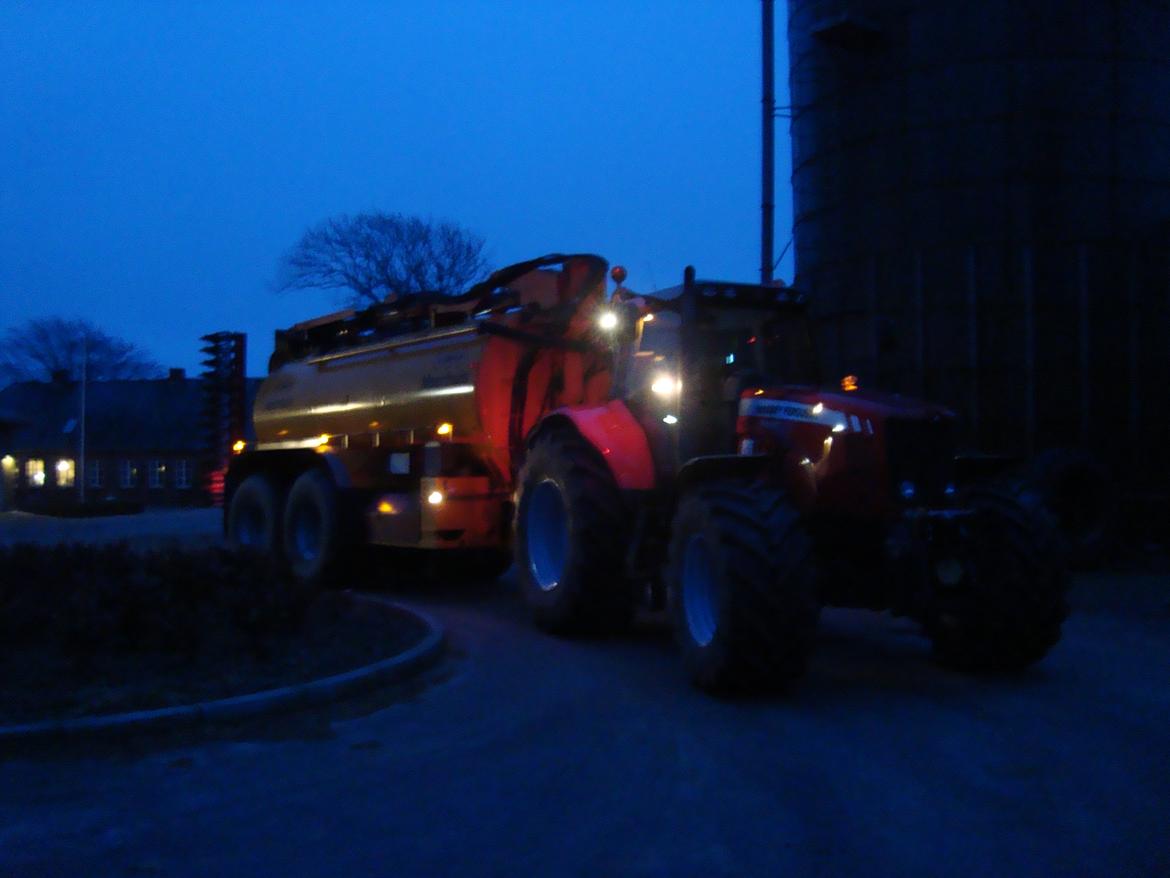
pixel 408 383
pixel 982 213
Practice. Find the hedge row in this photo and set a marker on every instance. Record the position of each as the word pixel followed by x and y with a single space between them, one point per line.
pixel 82 599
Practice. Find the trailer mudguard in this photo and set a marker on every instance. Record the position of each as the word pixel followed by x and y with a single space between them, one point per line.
pixel 618 438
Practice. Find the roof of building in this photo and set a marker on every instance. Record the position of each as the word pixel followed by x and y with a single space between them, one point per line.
pixel 121 416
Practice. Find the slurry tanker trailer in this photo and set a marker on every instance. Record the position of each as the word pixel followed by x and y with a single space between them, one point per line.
pixel 676 450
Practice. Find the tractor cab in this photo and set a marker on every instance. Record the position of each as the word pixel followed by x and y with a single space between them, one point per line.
pixel 693 350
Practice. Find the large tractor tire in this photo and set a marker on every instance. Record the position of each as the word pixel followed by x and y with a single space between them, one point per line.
pixel 570 538
pixel 317 547
pixel 1082 498
pixel 743 587
pixel 1006 611
pixel 253 517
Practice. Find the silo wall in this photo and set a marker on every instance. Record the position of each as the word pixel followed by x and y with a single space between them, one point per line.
pixel 982 213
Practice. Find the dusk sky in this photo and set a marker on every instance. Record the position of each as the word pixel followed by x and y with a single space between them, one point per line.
pixel 157 158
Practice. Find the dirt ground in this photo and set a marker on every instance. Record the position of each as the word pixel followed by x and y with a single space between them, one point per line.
pixel 532 755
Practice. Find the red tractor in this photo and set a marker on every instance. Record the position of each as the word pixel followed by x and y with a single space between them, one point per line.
pixel 673 449
pixel 721 480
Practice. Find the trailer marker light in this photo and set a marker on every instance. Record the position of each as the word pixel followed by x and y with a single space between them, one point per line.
pixel 387 508
pixel 435 498
pixel 444 429
pixel 238 446
pixel 849 383
pixel 608 320
pixel 670 419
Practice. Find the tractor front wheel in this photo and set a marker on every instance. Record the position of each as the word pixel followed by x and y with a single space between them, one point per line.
pixel 570 536
pixel 1006 611
pixel 742 587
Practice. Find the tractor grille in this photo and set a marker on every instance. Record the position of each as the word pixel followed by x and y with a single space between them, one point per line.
pixel 923 453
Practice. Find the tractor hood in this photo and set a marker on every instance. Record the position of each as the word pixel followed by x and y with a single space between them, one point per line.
pixel 831 408
pixel 856 452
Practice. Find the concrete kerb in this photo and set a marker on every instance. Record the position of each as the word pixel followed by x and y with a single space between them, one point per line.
pixel 255 704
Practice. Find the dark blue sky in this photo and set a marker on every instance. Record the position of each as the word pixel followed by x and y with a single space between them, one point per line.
pixel 157 158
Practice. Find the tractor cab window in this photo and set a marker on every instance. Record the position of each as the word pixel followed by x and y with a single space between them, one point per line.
pixel 656 356
pixel 733 351
pixel 787 350
pixel 771 350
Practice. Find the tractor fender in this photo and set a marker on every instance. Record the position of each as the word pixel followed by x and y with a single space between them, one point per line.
pixel 720 466
pixel 617 436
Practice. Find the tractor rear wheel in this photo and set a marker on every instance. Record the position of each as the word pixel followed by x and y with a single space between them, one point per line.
pixel 743 588
pixel 253 518
pixel 570 536
pixel 1006 611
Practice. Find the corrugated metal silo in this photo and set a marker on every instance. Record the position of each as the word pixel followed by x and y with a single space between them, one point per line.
pixel 982 203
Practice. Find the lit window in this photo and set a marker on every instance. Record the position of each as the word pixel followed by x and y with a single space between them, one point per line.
pixel 128 474
pixel 182 474
pixel 66 473
pixel 156 474
pixel 34 473
pixel 93 473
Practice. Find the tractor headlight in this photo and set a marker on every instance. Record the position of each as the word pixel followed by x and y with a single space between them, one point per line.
pixel 608 321
pixel 665 385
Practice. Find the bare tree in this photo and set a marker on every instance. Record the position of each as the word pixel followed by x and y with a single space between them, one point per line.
pixel 37 349
pixel 371 256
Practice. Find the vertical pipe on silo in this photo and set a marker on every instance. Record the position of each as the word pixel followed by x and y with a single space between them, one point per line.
pixel 973 339
pixel 919 324
pixel 1135 376
pixel 1029 349
pixel 875 348
pixel 1083 341
pixel 768 119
